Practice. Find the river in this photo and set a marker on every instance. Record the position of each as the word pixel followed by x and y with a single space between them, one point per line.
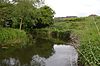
pixel 43 52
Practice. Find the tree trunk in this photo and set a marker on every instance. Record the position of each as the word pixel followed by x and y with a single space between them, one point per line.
pixel 21 24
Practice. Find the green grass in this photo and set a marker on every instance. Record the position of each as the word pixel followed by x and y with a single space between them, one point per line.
pixel 12 37
pixel 54 36
pixel 88 31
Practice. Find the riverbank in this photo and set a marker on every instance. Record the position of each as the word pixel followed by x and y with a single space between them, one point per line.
pixel 12 37
pixel 85 32
pixel 88 32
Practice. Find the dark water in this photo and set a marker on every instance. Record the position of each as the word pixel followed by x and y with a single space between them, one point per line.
pixel 43 52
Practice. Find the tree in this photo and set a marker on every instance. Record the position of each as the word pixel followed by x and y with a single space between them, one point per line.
pixel 24 13
pixel 5 12
pixel 44 17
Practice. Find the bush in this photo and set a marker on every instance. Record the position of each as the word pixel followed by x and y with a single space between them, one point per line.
pixel 12 37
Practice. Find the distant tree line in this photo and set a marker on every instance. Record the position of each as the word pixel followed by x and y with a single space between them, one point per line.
pixel 68 19
pixel 25 14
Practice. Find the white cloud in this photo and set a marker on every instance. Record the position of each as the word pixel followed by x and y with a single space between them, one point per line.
pixel 74 7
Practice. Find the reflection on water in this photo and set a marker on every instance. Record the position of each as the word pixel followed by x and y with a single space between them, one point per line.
pixel 42 53
pixel 65 55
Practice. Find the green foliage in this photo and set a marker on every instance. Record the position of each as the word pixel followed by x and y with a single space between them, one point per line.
pixel 12 37
pixel 69 19
pixel 89 34
pixel 24 11
pixel 59 37
pixel 74 19
pixel 26 14
pixel 44 17
pixel 5 12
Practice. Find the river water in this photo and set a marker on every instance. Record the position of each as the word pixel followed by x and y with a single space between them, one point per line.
pixel 42 53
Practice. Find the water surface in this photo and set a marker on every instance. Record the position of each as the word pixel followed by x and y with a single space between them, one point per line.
pixel 42 53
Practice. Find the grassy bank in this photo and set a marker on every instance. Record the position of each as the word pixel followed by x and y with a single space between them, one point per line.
pixel 12 37
pixel 54 36
pixel 88 31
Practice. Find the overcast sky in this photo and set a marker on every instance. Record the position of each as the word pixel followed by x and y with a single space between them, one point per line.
pixel 74 7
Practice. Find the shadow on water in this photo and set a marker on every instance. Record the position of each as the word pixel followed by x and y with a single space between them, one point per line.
pixel 43 52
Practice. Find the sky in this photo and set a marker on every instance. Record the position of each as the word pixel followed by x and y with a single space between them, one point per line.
pixel 79 8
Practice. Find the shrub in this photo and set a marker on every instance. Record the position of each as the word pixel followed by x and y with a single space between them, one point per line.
pixel 12 37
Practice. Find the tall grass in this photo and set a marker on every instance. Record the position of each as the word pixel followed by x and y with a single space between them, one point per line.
pixel 12 37
pixel 88 31
pixel 90 47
